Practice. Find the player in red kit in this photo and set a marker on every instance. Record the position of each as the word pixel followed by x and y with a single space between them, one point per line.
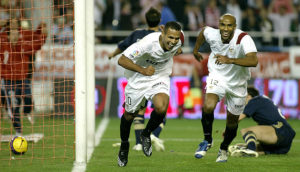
pixel 17 46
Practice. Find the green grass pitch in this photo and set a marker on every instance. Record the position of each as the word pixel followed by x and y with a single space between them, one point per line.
pixel 181 138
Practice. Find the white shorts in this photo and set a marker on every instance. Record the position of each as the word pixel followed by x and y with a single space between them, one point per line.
pixel 235 97
pixel 144 90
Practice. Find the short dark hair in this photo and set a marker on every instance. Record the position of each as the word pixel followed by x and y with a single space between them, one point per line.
pixel 173 25
pixel 252 91
pixel 153 17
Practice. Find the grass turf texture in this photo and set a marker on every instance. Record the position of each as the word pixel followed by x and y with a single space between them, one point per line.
pixel 55 152
pixel 181 138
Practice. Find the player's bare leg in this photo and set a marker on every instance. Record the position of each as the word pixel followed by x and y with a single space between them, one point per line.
pixel 264 134
pixel 251 135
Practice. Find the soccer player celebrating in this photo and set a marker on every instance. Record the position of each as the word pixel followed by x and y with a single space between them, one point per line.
pixel 148 65
pixel 273 133
pixel 233 52
pixel 153 19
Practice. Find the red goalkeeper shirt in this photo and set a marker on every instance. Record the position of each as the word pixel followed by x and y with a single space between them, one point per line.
pixel 14 58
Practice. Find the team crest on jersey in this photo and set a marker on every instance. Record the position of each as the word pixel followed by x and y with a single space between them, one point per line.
pixel 231 50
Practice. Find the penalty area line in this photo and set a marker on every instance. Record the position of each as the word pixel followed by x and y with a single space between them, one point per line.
pixel 101 128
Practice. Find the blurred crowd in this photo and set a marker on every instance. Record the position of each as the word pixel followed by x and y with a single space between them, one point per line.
pixel 265 16
pixel 61 26
pixel 63 22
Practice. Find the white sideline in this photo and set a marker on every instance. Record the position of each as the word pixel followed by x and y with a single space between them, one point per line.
pixel 81 167
pixel 101 128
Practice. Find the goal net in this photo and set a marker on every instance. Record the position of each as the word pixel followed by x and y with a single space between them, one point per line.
pixel 37 78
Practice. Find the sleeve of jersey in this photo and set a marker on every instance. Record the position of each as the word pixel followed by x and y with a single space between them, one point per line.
pixel 206 33
pixel 248 44
pixel 182 38
pixel 134 51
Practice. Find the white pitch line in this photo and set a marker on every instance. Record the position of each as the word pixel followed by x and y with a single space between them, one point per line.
pixel 101 128
pixel 98 135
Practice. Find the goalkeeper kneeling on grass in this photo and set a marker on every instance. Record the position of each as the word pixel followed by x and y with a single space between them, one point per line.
pixel 272 135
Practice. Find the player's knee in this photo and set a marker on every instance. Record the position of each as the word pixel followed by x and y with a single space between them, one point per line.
pixel 208 108
pixel 161 109
pixel 128 116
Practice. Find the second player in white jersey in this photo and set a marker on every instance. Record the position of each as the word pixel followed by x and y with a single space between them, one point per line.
pixel 240 44
pixel 232 53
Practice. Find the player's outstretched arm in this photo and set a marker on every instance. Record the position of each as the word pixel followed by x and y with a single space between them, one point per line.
pixel 128 64
pixel 200 40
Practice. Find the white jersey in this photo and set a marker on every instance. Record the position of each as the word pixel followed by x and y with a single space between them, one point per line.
pixel 238 47
pixel 148 52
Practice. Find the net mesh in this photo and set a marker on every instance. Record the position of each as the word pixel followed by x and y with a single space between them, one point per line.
pixel 37 78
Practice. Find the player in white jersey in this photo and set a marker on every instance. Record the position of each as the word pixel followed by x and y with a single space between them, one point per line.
pixel 232 53
pixel 148 65
pixel 153 19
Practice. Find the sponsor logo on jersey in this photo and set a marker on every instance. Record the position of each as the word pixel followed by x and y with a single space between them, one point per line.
pixel 159 83
pixel 156 63
pixel 238 106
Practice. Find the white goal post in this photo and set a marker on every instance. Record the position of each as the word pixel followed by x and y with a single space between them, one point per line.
pixel 84 80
